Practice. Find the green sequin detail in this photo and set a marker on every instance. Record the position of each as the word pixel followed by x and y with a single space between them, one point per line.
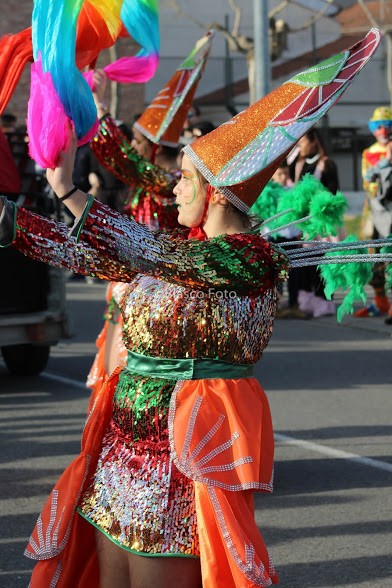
pixel 142 400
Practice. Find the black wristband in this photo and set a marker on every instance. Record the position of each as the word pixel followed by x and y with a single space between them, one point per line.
pixel 68 194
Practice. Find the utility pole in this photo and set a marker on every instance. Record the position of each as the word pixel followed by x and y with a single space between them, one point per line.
pixel 261 48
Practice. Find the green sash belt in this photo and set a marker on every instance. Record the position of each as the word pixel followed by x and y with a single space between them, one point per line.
pixel 186 369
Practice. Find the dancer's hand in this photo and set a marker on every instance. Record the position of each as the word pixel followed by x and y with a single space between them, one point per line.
pixel 60 179
pixel 100 81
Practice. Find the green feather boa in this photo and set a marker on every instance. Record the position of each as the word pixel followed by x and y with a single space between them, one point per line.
pixel 388 270
pixel 351 277
pixel 307 198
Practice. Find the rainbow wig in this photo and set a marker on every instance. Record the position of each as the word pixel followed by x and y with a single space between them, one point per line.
pixel 59 92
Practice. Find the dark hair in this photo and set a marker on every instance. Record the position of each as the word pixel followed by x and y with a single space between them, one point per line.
pixel 246 219
pixel 7 118
pixel 127 130
pixel 283 163
pixel 169 151
pixel 315 136
pixel 196 109
pixel 204 126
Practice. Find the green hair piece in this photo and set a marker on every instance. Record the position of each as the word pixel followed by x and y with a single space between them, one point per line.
pixel 300 196
pixel 350 277
pixel 309 197
pixel 297 200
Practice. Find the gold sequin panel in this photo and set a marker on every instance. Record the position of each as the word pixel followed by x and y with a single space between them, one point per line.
pixel 167 320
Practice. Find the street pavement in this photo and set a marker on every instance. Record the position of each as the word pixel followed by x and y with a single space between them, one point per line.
pixel 328 522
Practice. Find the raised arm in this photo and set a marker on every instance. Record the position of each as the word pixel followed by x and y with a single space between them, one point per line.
pixel 114 151
pixel 51 242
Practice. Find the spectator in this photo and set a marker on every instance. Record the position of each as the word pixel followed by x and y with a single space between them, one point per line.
pixel 110 191
pixel 10 182
pixel 8 122
pixel 310 157
pixel 193 116
pixel 377 213
pixel 201 128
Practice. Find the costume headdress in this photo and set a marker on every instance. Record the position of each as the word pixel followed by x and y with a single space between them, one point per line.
pixel 163 120
pixel 240 156
pixel 381 116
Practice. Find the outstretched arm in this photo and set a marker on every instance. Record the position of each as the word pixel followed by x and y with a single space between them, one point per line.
pixel 49 241
pixel 114 151
pixel 111 245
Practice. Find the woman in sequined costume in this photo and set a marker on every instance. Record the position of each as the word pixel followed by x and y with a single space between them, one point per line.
pixel 187 299
pixel 178 440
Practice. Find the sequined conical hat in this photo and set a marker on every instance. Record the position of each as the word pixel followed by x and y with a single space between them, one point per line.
pixel 241 155
pixel 163 120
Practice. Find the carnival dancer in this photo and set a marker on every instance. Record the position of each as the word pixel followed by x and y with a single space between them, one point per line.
pixel 377 211
pixel 177 441
pixel 147 164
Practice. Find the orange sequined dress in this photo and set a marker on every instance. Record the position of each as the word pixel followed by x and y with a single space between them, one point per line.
pixel 168 463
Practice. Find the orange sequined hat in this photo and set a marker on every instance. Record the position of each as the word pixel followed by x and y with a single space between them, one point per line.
pixel 240 156
pixel 163 120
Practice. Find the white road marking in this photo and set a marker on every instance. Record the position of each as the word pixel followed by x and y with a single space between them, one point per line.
pixel 64 380
pixel 368 461
pixel 324 449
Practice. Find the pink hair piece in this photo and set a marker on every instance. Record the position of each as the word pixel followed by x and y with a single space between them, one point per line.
pixel 128 70
pixel 48 128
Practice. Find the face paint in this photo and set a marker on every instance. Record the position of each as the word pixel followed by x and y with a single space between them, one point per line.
pixel 194 188
pixel 190 195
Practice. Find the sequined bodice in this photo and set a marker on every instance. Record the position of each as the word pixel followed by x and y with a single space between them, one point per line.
pixel 164 319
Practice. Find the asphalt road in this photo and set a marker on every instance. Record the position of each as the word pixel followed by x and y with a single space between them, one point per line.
pixel 328 522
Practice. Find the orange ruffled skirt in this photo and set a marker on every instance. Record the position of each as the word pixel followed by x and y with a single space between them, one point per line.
pixel 221 437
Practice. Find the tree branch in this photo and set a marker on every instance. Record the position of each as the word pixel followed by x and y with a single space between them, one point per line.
pixel 237 17
pixel 366 10
pixel 278 8
pixel 175 6
pixel 314 18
